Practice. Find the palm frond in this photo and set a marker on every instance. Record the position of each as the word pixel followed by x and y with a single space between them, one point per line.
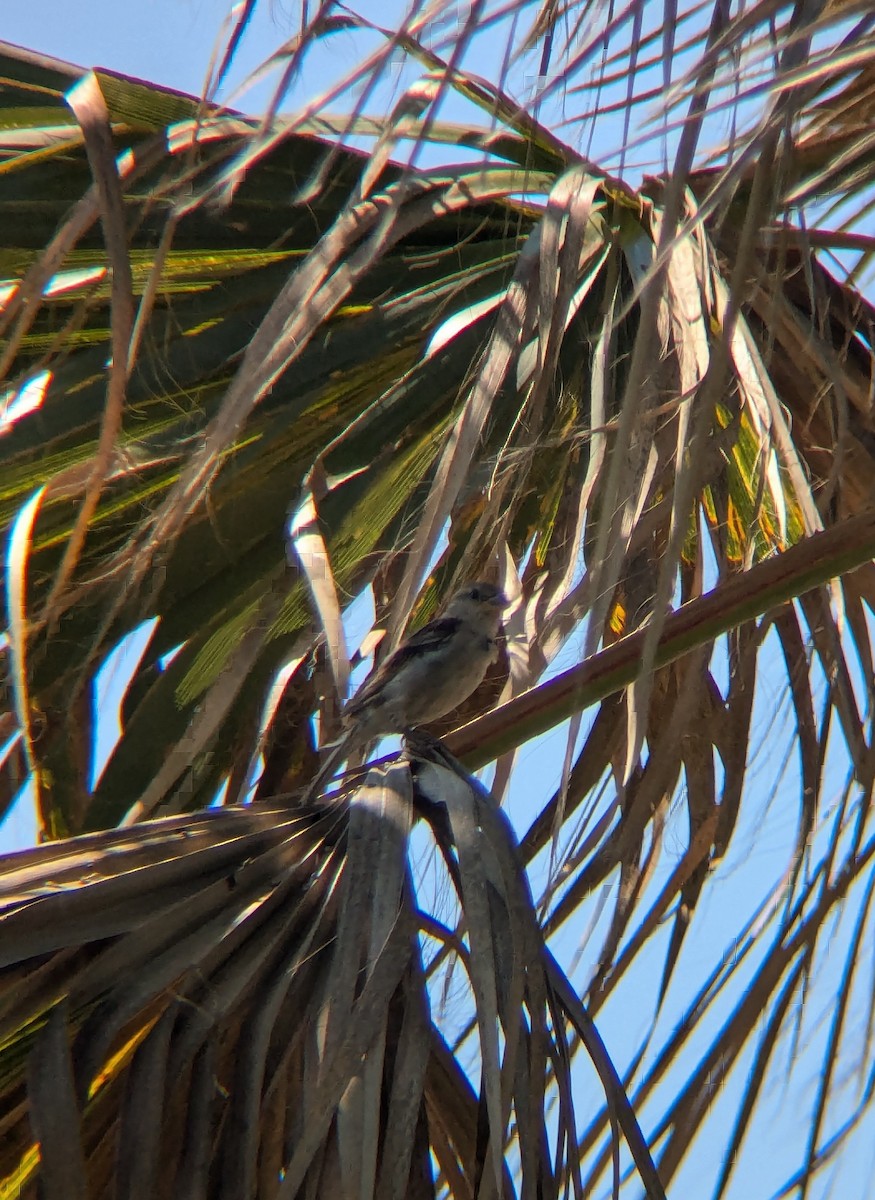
pixel 647 402
pixel 248 986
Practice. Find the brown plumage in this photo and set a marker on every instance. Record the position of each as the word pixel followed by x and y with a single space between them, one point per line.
pixel 434 671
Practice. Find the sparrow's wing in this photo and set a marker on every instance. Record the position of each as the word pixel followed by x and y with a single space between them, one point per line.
pixel 430 637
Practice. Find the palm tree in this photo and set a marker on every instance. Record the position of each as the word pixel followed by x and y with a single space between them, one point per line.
pixel 254 373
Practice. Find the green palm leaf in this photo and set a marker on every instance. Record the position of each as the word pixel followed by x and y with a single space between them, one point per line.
pixel 647 408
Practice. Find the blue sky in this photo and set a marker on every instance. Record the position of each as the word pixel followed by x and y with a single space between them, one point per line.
pixel 170 42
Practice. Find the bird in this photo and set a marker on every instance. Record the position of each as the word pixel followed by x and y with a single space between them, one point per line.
pixel 432 672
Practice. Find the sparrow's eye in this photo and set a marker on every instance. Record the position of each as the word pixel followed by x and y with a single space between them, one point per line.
pixel 475 593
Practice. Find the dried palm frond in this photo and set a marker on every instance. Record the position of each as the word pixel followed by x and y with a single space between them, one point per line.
pixel 237 1004
pixel 647 402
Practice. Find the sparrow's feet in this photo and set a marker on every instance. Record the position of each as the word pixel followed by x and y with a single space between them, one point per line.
pixel 420 740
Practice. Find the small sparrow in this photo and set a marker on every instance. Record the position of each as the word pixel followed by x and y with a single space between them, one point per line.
pixel 430 674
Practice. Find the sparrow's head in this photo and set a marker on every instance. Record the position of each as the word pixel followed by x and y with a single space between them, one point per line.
pixel 478 596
